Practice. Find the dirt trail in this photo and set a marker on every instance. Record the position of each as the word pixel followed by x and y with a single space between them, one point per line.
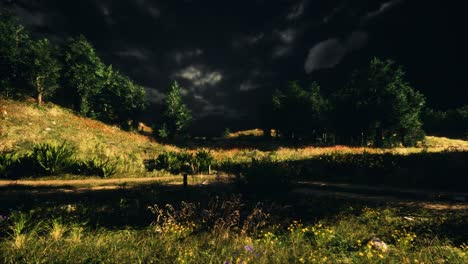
pixel 431 199
pixel 81 182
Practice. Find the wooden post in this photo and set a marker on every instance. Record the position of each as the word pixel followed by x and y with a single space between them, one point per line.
pixel 185 179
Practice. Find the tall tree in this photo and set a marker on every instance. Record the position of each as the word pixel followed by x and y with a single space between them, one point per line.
pixel 176 116
pixel 379 107
pixel 43 69
pixel 82 76
pixel 14 40
pixel 299 112
pixel 121 100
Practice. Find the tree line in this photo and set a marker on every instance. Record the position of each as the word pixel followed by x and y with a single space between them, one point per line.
pixel 70 74
pixel 377 107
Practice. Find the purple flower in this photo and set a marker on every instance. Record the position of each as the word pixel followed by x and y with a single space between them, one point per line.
pixel 248 248
pixel 227 262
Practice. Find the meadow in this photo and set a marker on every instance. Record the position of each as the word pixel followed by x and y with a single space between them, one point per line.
pixel 249 210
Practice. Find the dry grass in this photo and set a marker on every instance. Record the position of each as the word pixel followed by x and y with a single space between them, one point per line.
pixel 23 124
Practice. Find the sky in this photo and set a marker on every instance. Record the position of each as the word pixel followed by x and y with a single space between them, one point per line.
pixel 230 55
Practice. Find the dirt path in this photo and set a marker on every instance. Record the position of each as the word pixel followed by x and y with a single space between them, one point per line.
pixel 81 182
pixel 431 199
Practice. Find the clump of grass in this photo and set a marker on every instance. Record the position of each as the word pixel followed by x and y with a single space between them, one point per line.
pixel 51 159
pixel 95 166
pixel 8 161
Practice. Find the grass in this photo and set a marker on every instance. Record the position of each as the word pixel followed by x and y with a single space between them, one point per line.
pixel 79 219
pixel 24 124
pixel 233 230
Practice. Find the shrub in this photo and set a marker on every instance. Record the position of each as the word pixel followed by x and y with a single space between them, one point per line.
pixel 8 162
pixel 174 162
pixel 268 175
pixel 203 160
pixel 50 159
pixel 94 166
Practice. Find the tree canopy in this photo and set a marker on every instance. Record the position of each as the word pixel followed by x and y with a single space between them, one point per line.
pixel 176 117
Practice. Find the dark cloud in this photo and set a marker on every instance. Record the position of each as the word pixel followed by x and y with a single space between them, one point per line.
pixel 229 55
pixel 329 53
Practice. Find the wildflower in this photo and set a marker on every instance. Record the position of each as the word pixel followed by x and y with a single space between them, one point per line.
pixel 361 254
pixel 248 248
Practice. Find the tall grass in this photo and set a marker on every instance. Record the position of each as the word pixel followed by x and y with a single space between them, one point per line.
pixel 222 232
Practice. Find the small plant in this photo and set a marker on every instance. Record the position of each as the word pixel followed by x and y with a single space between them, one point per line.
pixel 102 168
pixel 52 159
pixel 174 162
pixel 57 230
pixel 203 161
pixel 8 161
pixel 19 228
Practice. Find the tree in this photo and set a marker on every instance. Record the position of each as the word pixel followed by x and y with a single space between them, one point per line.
pixel 379 107
pixel 176 116
pixel 14 40
pixel 43 69
pixel 82 76
pixel 299 112
pixel 120 100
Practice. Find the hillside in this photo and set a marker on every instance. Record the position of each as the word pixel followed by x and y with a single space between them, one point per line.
pixel 23 124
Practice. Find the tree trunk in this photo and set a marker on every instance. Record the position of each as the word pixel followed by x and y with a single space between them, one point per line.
pixel 39 90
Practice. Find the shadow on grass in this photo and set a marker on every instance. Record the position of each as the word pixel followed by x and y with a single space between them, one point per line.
pixel 242 142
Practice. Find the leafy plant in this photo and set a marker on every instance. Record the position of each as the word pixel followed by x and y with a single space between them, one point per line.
pixel 102 168
pixel 52 159
pixel 8 161
pixel 203 160
pixel 174 162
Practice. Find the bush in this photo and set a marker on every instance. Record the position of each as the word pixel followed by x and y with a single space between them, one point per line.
pixel 174 162
pixel 8 162
pixel 101 168
pixel 266 174
pixel 203 161
pixel 50 159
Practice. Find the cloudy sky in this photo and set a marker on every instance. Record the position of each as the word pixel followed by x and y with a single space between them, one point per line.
pixel 229 55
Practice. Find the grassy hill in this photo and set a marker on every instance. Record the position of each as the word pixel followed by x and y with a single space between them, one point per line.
pixel 23 124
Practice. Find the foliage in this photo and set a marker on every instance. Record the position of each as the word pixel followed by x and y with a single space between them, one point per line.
pixel 176 116
pixel 299 112
pixel 181 162
pixel 8 161
pixel 14 40
pixel 51 159
pixel 94 166
pixel 379 107
pixel 203 160
pixel 452 123
pixel 82 76
pixel 226 230
pixel 267 175
pixel 120 100
pixel 174 162
pixel 43 68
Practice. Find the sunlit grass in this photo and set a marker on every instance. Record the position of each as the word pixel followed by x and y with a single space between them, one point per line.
pixel 181 239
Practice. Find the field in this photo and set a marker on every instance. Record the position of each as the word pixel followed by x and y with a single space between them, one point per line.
pixel 339 204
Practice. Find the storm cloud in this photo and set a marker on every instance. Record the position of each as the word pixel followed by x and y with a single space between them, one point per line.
pixel 229 55
pixel 329 53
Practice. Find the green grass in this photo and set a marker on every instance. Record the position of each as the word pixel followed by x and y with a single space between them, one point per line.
pixel 228 233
